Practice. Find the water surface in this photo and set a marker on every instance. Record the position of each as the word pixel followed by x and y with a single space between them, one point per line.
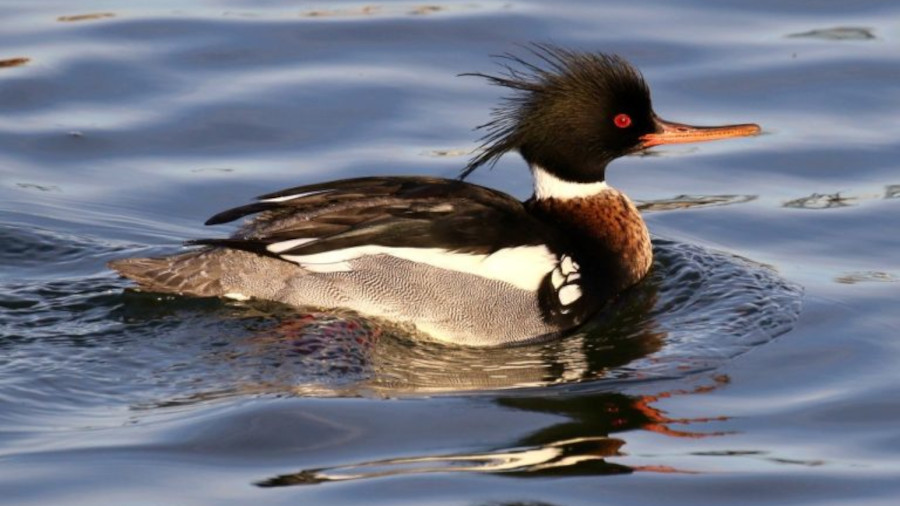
pixel 757 365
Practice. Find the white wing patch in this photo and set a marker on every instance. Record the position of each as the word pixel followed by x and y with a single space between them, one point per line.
pixel 278 247
pixel 524 266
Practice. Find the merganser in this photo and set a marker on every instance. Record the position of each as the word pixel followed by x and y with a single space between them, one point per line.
pixel 460 262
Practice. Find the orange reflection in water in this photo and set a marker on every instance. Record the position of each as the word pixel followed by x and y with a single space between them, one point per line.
pixel 580 446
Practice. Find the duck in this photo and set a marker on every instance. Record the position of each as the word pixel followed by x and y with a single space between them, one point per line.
pixel 454 261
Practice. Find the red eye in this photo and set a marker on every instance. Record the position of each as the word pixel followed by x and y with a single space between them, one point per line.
pixel 622 120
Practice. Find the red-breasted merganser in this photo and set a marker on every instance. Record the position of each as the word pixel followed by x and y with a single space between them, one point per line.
pixel 463 263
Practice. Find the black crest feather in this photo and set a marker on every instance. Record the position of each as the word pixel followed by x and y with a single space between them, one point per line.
pixel 555 72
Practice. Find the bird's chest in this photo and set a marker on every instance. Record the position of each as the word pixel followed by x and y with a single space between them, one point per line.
pixel 610 239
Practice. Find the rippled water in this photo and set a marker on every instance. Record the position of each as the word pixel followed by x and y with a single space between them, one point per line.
pixel 756 365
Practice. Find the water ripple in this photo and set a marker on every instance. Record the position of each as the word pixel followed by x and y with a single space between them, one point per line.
pixel 696 310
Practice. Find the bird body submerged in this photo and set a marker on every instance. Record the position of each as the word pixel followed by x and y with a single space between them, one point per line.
pixel 462 263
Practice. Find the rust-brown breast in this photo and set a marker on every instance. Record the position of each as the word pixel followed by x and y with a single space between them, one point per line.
pixel 612 237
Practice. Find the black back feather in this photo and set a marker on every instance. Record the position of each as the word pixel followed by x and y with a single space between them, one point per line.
pixel 417 212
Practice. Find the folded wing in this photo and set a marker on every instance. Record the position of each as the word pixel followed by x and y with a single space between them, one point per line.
pixel 446 223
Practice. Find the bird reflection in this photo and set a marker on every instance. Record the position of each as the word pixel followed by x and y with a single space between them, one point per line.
pixel 581 446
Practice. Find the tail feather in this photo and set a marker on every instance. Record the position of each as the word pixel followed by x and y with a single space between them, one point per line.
pixel 192 273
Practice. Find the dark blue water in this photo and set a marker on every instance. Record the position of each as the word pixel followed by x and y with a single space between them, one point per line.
pixel 756 365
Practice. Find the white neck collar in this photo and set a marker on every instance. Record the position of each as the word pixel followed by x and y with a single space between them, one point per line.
pixel 548 186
